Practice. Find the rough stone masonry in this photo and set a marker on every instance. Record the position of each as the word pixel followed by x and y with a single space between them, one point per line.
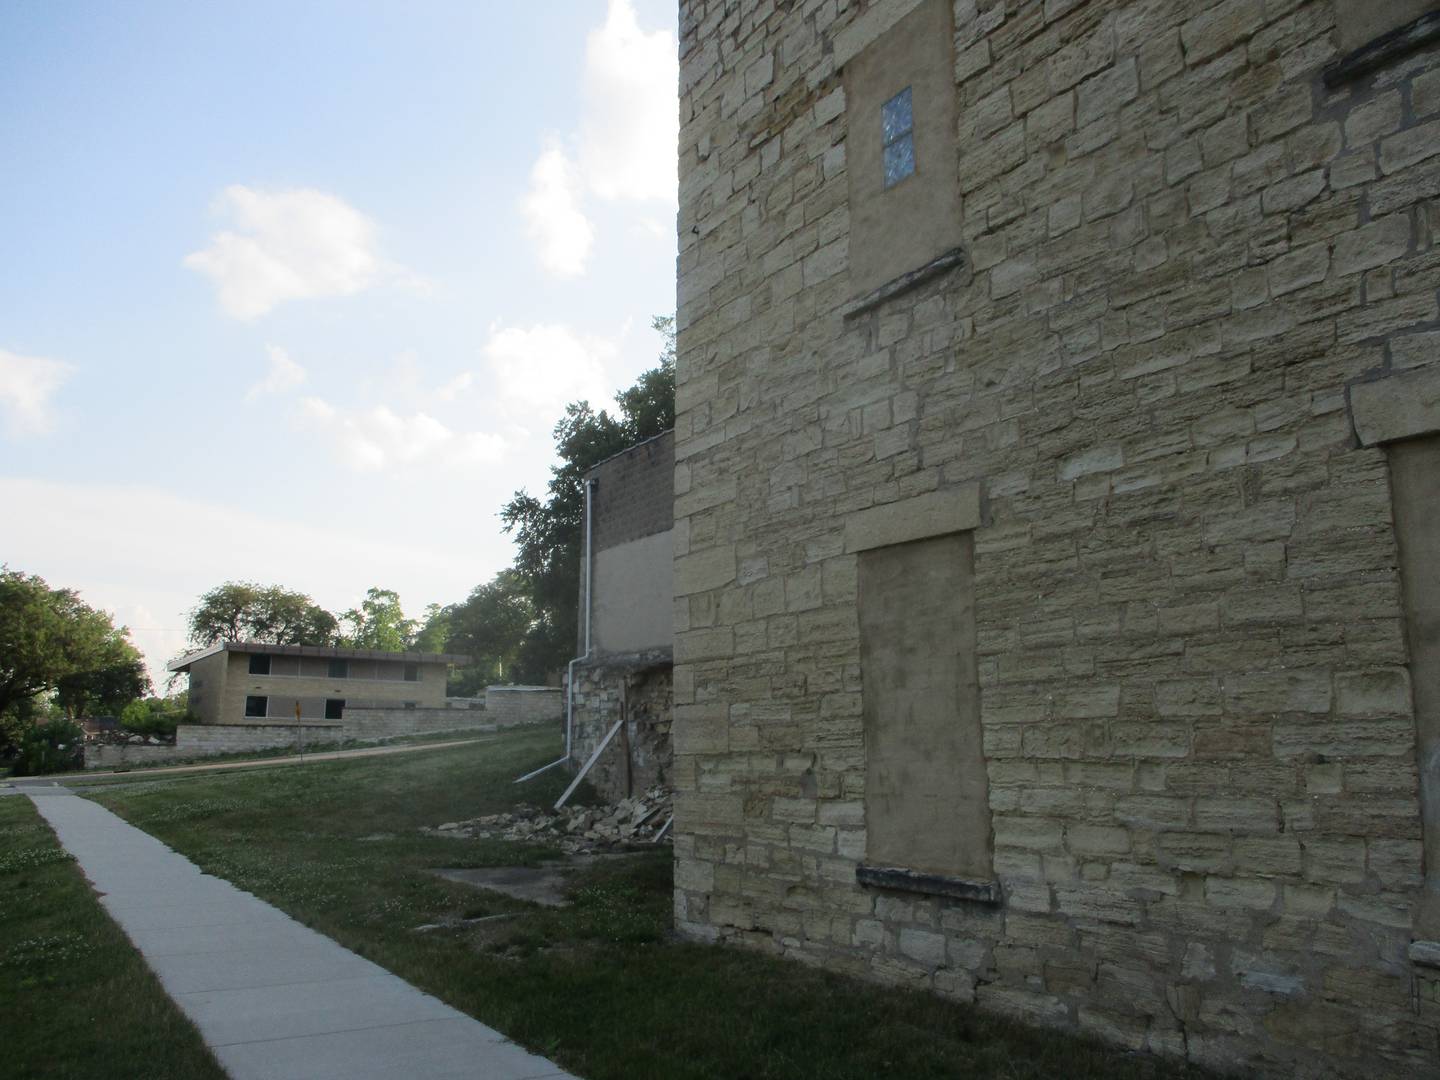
pixel 1163 369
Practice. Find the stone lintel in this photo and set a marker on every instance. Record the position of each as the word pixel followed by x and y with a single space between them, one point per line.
pixel 903 880
pixel 911 279
pixel 878 18
pixel 1425 953
pixel 1398 407
pixel 936 513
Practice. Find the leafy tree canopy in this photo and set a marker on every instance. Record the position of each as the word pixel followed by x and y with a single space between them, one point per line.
pixel 52 641
pixel 245 611
pixel 379 623
pixel 548 532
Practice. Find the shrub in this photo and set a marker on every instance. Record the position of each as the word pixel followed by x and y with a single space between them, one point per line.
pixel 50 746
pixel 150 717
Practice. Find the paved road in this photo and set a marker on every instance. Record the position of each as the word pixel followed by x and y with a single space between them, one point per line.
pixel 273 999
pixel 252 763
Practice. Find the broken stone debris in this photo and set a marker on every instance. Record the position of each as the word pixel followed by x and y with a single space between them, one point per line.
pixel 640 819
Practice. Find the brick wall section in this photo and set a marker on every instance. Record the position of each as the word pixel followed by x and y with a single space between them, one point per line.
pixel 1181 249
pixel 506 706
pixel 634 493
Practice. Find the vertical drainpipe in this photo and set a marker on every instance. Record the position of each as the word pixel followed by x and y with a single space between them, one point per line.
pixel 570 668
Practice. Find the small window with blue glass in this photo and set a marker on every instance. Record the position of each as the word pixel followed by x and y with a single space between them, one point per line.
pixel 897 122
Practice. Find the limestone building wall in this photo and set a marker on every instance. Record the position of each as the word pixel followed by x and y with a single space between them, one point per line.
pixel 1185 254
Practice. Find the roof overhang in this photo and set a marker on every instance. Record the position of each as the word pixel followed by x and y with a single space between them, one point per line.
pixel 324 652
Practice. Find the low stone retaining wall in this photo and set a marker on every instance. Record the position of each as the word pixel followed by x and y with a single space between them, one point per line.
pixel 511 705
pixel 207 740
pixel 367 723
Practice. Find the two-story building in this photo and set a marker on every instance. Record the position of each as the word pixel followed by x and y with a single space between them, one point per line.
pixel 235 682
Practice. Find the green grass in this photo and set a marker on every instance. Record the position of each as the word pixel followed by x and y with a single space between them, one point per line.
pixel 76 1000
pixel 600 986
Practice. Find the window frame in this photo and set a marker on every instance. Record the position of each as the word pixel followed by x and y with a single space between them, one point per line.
pixel 338 668
pixel 261 659
pixel 264 700
pixel 338 709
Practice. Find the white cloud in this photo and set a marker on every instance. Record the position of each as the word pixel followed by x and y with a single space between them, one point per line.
pixel 288 245
pixel 629 129
pixel 544 367
pixel 378 437
pixel 27 383
pixel 631 121
pixel 284 374
pixel 561 231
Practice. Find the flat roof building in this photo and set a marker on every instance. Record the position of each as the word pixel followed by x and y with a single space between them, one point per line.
pixel 251 681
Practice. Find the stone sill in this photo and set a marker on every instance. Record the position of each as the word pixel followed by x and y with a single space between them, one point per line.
pixel 902 880
pixel 1425 953
pixel 904 283
pixel 1385 49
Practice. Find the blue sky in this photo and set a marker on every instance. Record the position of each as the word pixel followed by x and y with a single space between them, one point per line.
pixel 294 293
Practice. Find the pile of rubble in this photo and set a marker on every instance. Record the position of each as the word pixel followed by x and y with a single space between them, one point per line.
pixel 637 821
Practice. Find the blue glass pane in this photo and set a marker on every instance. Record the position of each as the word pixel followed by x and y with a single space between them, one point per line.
pixel 895 116
pixel 899 160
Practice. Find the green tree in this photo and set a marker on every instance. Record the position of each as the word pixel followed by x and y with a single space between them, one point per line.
pixel 491 625
pixel 548 533
pixel 245 611
pixel 116 676
pixel 49 637
pixel 379 623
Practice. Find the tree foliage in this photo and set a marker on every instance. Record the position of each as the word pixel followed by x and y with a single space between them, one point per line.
pixel 548 532
pixel 52 641
pixel 379 623
pixel 245 611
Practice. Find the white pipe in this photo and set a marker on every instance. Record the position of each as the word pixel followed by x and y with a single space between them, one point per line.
pixel 570 667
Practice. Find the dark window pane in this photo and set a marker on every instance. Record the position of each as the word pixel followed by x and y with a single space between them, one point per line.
pixel 339 669
pixel 334 707
pixel 896 117
pixel 256 705
pixel 259 664
pixel 412 672
pixel 899 160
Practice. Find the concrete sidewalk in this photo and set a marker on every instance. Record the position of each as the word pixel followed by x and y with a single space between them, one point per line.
pixel 273 999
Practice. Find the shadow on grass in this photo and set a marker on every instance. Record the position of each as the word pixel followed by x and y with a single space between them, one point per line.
pixel 600 985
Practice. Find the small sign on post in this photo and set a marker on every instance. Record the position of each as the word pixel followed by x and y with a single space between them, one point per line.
pixel 299 731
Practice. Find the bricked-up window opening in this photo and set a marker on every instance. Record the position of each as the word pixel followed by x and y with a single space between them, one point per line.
pixel 339 669
pixel 412 672
pixel 334 708
pixel 259 664
pixel 902 112
pixel 1415 487
pixel 256 705
pixel 927 807
pixel 897 127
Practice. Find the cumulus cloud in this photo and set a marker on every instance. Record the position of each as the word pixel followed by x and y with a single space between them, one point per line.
pixel 561 231
pixel 626 144
pixel 631 122
pixel 284 374
pixel 288 245
pixel 27 383
pixel 376 438
pixel 542 368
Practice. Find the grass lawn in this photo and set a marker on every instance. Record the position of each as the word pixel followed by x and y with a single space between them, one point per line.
pixel 76 1000
pixel 598 986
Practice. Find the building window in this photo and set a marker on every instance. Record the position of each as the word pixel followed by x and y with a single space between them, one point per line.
pixel 897 127
pixel 334 708
pixel 259 664
pixel 256 705
pixel 339 669
pixel 412 672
